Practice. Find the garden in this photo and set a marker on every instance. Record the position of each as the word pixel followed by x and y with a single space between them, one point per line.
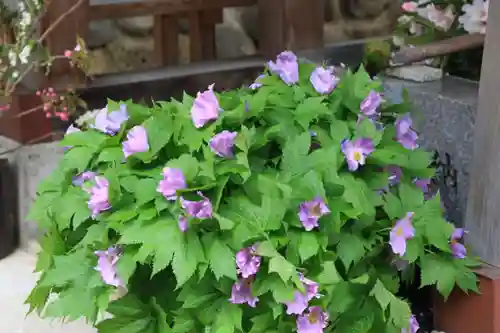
pixel 301 202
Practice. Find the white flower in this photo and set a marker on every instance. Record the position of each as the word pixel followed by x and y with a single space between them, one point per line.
pixel 12 58
pixel 442 19
pixel 25 19
pixel 25 53
pixel 475 16
pixel 15 74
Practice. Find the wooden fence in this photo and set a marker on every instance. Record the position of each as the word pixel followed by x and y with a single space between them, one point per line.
pixel 283 24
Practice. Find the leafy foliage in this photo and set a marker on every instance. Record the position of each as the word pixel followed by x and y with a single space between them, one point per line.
pixel 174 277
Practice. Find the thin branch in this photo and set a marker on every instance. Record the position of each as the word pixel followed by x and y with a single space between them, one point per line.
pixel 24 113
pixel 60 19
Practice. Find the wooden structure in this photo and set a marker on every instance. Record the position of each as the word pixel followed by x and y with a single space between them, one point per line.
pixel 480 313
pixel 284 24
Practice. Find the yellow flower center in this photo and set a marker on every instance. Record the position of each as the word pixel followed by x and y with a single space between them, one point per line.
pixel 399 231
pixel 316 210
pixel 313 317
pixel 357 156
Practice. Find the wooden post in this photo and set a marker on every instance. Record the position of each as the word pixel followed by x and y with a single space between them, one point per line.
pixel 483 205
pixel 290 24
pixel 463 313
pixel 166 38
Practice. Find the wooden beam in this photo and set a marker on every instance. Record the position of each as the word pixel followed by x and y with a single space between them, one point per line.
pixel 106 9
pixel 166 38
pixel 290 24
pixel 483 207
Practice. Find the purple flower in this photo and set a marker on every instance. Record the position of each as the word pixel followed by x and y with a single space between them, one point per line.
pixel 83 177
pixel 405 135
pixel 110 123
pixel 137 141
pixel 205 107
pixel 323 80
pixel 312 322
pixel 356 152
pixel 395 174
pixel 99 196
pixel 402 231
pixel 301 300
pixel 248 261
pixel 370 104
pixel 424 184
pixel 198 209
pixel 413 326
pixel 173 180
pixel 242 293
pixel 458 250
pixel 222 143
pixel 286 66
pixel 106 263
pixel 311 211
pixel 256 84
pixel 183 223
pixel 72 129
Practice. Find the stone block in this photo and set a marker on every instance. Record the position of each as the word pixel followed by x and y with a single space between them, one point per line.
pixel 444 113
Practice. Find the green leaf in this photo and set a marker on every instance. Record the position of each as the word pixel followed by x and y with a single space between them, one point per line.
pixel 350 249
pixel 358 194
pixel 188 164
pixel 329 275
pixel 224 223
pixel 221 260
pixel 381 294
pixel 310 109
pixel 294 154
pixel 399 313
pixel 366 129
pixel 72 303
pixel 77 158
pixel 266 249
pixel 145 190
pixel 186 258
pixel 440 271
pixel 392 206
pixel 411 197
pixel 111 154
pixel 228 319
pixel 308 245
pixel 363 325
pixel 281 266
pixel 91 138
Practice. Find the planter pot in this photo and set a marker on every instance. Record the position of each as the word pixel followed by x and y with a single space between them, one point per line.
pixel 463 313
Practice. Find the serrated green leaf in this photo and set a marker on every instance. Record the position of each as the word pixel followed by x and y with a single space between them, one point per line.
pixel 381 294
pixel 399 313
pixel 350 249
pixel 221 260
pixel 308 245
pixel 281 266
pixel 329 275
pixel 266 249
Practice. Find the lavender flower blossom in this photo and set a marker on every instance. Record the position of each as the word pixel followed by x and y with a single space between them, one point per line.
pixel 413 326
pixel 256 84
pixel 395 174
pixel 458 249
pixel 205 107
pixel 405 135
pixel 222 143
pixel 286 66
pixel 323 80
pixel 99 197
pixel 183 223
pixel 110 123
pixel 312 322
pixel 242 293
pixel 198 209
pixel 247 261
pixel 356 151
pixel 370 104
pixel 106 265
pixel 311 211
pixel 137 141
pixel 83 177
pixel 173 180
pixel 301 300
pixel 402 231
pixel 423 184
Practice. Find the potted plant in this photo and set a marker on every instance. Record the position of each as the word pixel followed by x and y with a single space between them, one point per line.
pixel 296 204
